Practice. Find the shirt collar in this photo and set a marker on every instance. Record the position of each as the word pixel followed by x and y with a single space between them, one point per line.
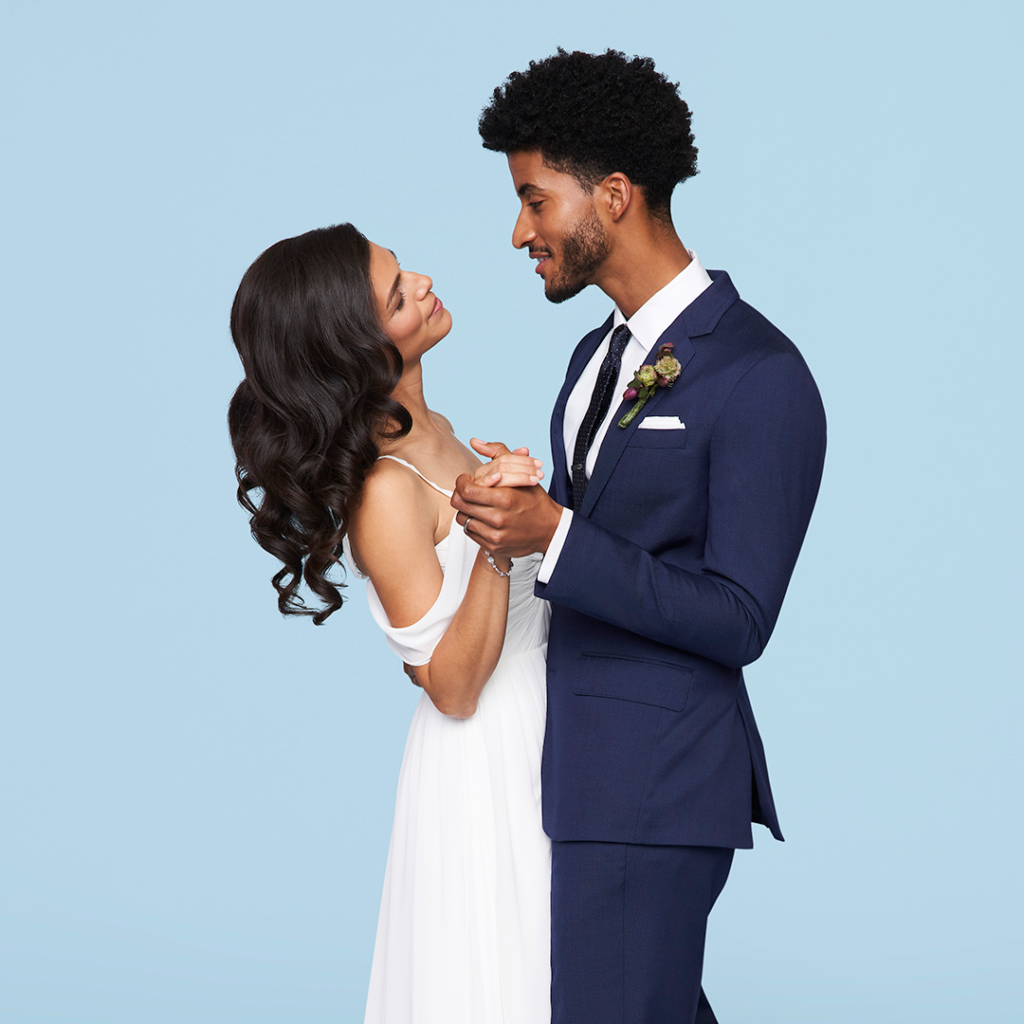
pixel 654 317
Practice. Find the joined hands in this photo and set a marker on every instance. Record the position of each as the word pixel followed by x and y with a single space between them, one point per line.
pixel 511 514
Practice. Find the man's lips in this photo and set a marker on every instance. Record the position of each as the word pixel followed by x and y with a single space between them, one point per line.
pixel 542 256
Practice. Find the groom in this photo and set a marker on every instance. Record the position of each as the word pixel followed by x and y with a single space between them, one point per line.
pixel 669 538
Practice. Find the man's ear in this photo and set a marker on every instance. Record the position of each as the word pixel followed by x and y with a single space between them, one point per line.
pixel 615 194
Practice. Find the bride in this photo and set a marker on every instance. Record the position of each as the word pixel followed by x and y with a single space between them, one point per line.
pixel 337 452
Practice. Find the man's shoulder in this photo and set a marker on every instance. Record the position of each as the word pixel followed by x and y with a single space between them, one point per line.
pixel 757 365
pixel 743 345
pixel 743 337
pixel 757 333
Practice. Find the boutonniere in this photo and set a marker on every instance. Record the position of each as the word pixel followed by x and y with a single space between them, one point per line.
pixel 663 374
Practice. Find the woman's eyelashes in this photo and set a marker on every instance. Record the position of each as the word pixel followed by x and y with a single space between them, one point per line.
pixel 401 300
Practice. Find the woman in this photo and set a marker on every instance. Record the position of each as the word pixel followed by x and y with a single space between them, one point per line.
pixel 331 430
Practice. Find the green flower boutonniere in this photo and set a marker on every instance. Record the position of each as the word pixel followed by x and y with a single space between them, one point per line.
pixel 663 374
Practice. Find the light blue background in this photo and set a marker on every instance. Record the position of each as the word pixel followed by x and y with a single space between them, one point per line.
pixel 196 795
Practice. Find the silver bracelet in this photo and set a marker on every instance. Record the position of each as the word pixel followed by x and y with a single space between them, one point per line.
pixel 490 558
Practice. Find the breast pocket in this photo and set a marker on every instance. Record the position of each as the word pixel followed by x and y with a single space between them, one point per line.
pixel 657 437
pixel 640 680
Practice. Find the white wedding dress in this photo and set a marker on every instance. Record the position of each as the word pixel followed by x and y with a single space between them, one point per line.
pixel 463 935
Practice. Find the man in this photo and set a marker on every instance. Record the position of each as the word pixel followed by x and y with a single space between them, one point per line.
pixel 669 538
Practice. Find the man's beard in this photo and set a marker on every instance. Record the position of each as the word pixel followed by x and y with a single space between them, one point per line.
pixel 584 249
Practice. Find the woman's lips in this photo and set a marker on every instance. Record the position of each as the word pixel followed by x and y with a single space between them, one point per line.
pixel 438 306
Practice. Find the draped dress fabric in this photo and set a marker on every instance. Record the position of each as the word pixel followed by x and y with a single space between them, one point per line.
pixel 463 935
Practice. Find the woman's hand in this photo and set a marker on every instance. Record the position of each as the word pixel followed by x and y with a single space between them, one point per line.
pixel 509 469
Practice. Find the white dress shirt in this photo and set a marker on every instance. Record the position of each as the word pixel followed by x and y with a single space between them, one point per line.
pixel 646 326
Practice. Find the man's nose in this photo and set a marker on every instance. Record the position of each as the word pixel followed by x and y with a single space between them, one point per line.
pixel 522 233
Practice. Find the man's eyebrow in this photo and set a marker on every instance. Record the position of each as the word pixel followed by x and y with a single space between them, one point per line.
pixel 526 189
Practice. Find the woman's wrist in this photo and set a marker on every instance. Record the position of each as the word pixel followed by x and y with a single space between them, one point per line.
pixel 501 564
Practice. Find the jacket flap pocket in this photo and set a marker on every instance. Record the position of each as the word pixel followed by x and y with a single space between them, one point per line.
pixel 640 680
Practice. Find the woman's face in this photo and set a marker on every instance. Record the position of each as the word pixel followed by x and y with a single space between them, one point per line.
pixel 409 311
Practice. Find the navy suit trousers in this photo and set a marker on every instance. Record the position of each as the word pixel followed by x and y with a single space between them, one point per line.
pixel 628 925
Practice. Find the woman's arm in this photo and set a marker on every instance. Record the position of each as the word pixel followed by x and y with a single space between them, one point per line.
pixel 469 650
pixel 393 537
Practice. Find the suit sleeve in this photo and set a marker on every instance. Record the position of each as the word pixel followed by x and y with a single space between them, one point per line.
pixel 766 455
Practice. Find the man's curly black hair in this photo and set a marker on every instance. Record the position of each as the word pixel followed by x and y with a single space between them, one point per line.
pixel 592 114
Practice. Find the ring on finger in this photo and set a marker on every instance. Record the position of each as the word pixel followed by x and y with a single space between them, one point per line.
pixel 465 525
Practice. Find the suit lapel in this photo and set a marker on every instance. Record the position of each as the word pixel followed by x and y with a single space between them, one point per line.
pixel 561 487
pixel 615 441
pixel 700 317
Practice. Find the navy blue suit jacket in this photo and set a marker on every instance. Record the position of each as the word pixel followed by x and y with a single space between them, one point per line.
pixel 671 579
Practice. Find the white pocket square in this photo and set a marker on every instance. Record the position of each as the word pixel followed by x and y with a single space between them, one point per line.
pixel 661 423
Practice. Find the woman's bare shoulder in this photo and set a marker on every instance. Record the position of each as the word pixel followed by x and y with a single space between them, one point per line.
pixel 392 540
pixel 393 496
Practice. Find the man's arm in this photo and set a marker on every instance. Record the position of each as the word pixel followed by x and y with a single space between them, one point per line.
pixel 766 456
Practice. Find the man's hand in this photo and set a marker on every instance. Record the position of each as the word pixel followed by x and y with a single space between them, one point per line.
pixel 505 520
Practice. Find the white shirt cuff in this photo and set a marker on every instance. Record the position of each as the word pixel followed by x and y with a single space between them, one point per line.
pixel 547 567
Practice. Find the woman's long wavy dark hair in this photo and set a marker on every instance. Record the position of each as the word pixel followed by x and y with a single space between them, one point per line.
pixel 316 400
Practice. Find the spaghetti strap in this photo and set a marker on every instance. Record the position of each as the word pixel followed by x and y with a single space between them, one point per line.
pixel 409 465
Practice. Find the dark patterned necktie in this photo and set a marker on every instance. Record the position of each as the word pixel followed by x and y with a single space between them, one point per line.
pixel 600 401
